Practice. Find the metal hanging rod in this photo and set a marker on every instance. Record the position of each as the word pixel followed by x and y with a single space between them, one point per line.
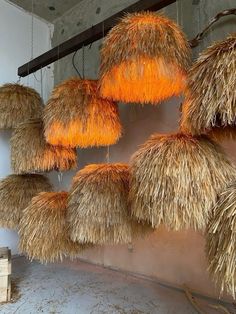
pixel 88 36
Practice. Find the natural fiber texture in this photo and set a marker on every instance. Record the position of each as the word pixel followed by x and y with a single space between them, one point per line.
pixel 44 231
pixel 211 97
pixel 175 179
pixel 16 192
pixel 144 59
pixel 17 104
pixel 98 209
pixel 76 116
pixel 221 241
pixel 31 153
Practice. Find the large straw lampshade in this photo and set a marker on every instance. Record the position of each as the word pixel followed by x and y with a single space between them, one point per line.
pixel 175 180
pixel 18 103
pixel 210 104
pixel 221 241
pixel 31 153
pixel 16 192
pixel 44 231
pixel 144 59
pixel 76 115
pixel 98 210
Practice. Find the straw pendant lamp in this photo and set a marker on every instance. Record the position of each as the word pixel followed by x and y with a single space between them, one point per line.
pixel 144 59
pixel 16 192
pixel 221 241
pixel 76 115
pixel 175 180
pixel 31 153
pixel 18 103
pixel 44 231
pixel 98 210
pixel 210 104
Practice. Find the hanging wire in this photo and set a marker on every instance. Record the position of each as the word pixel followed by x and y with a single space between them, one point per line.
pixel 83 62
pixel 74 66
pixel 195 41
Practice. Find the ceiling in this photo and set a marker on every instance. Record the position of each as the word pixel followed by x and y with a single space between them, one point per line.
pixel 47 9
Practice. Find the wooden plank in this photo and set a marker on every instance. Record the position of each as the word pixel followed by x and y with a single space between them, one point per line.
pixel 88 36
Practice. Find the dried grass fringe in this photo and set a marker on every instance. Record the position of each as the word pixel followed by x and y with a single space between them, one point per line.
pixel 175 180
pixel 30 152
pixel 98 209
pixel 221 241
pixel 16 192
pixel 44 230
pixel 18 103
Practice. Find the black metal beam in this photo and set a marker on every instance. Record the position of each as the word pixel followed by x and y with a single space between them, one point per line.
pixel 88 36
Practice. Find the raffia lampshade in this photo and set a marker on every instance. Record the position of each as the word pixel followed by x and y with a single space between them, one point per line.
pixel 98 210
pixel 76 115
pixel 16 192
pixel 31 153
pixel 175 180
pixel 44 231
pixel 144 59
pixel 221 241
pixel 210 104
pixel 18 103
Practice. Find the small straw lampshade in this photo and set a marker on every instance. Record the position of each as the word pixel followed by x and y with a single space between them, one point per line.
pixel 31 153
pixel 144 59
pixel 16 192
pixel 175 179
pixel 76 115
pixel 221 241
pixel 43 229
pixel 210 104
pixel 17 104
pixel 98 209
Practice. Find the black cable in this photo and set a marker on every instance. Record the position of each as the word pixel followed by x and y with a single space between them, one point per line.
pixel 74 66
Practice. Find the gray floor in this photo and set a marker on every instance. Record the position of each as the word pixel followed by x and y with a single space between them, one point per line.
pixel 83 288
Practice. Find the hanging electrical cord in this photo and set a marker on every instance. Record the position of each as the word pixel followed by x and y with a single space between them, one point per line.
pixel 196 40
pixel 74 66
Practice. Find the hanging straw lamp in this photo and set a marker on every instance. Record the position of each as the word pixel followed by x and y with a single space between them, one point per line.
pixel 44 231
pixel 175 179
pixel 31 153
pixel 76 116
pixel 144 59
pixel 221 241
pixel 18 103
pixel 210 104
pixel 16 192
pixel 98 210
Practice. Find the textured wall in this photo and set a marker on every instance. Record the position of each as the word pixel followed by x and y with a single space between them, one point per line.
pixel 174 257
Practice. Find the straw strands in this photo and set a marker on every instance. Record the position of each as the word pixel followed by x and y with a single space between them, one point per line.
pixel 144 59
pixel 98 210
pixel 76 115
pixel 175 180
pixel 44 231
pixel 18 103
pixel 31 153
pixel 211 99
pixel 221 241
pixel 16 192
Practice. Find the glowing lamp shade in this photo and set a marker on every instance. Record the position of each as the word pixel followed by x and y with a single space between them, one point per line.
pixel 175 180
pixel 98 210
pixel 43 229
pixel 221 241
pixel 144 59
pixel 18 103
pixel 76 115
pixel 210 105
pixel 16 192
pixel 30 152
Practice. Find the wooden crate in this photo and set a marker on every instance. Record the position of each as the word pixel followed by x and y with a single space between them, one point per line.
pixel 5 275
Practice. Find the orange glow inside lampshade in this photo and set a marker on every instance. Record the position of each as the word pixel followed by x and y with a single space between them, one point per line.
pixel 80 117
pixel 143 80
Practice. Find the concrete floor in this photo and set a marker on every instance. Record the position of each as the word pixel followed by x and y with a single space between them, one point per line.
pixel 82 288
